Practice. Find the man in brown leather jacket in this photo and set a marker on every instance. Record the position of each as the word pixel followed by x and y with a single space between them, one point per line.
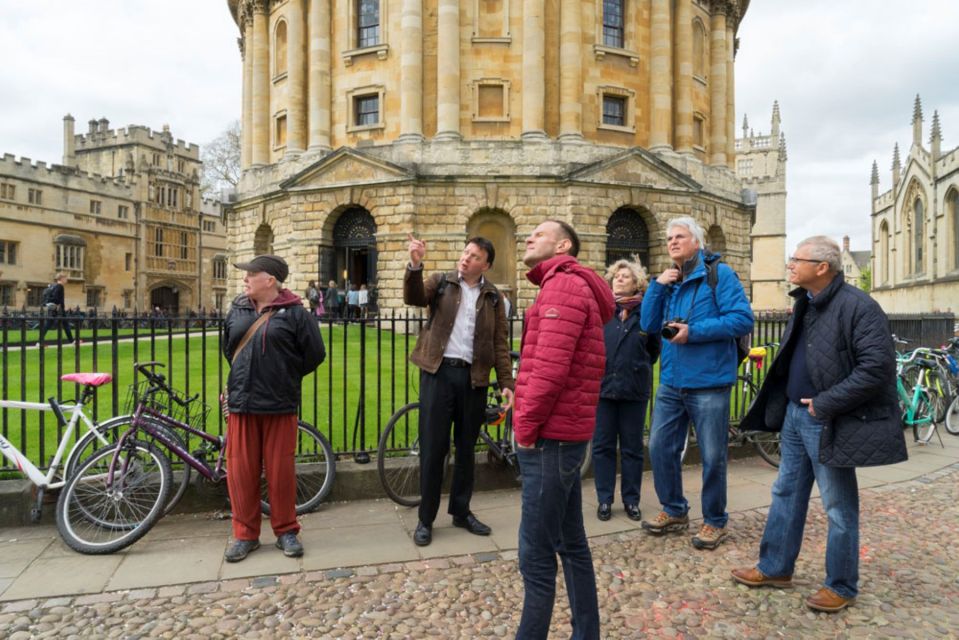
pixel 465 337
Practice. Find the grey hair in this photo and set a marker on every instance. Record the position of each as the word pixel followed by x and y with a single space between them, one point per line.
pixel 699 234
pixel 635 267
pixel 824 249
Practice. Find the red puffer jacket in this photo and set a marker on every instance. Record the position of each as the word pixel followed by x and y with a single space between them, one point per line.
pixel 564 355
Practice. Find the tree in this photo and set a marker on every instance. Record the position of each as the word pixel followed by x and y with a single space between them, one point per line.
pixel 865 279
pixel 221 161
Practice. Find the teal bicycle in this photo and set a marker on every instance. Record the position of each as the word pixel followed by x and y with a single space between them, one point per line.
pixel 916 399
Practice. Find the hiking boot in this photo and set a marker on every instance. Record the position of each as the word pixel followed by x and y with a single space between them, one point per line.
pixel 240 549
pixel 665 523
pixel 290 544
pixel 709 537
pixel 829 601
pixel 753 577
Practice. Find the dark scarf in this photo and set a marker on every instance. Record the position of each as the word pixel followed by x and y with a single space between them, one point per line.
pixel 626 304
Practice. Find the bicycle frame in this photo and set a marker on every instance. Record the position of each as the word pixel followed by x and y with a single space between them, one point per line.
pixel 12 453
pixel 912 403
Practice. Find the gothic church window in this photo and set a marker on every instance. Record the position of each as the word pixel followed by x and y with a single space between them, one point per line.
pixel 952 214
pixel 279 50
pixel 917 235
pixel 368 23
pixel 613 23
pixel 884 256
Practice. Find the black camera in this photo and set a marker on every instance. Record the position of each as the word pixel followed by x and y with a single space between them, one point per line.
pixel 669 332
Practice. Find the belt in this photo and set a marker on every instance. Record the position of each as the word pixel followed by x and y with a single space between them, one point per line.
pixel 456 362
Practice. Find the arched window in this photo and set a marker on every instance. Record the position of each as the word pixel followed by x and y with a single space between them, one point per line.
pixel 884 256
pixel 279 48
pixel 263 240
pixel 626 236
pixel 917 235
pixel 952 215
pixel 700 49
pixel 716 239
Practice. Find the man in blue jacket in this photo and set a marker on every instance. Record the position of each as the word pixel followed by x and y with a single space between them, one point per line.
pixel 700 317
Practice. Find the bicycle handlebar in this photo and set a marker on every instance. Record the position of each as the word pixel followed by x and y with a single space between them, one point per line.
pixel 158 380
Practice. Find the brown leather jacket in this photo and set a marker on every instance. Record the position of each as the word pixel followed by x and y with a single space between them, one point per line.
pixel 490 339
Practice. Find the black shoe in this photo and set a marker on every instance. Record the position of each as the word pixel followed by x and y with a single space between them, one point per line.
pixel 604 511
pixel 633 512
pixel 240 549
pixel 471 524
pixel 290 544
pixel 423 534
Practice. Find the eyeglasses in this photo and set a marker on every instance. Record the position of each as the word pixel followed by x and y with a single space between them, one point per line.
pixel 794 260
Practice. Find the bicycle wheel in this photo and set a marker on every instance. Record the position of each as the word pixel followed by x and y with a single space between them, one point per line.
pixel 112 429
pixel 923 425
pixel 767 444
pixel 114 498
pixel 398 456
pixel 315 470
pixel 952 417
pixel 742 394
pixel 938 386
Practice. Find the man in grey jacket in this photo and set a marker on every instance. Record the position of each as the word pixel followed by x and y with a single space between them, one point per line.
pixel 832 392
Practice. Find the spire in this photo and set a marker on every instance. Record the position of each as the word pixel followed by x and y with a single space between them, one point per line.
pixel 782 147
pixel 935 138
pixel 776 120
pixel 874 179
pixel 896 166
pixel 745 126
pixel 917 122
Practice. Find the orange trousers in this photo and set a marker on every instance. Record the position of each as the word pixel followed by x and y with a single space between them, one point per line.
pixel 261 444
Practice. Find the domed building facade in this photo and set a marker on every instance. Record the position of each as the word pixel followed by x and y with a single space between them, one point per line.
pixel 365 120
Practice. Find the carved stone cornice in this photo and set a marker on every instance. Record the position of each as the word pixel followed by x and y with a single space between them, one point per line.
pixel 260 6
pixel 724 7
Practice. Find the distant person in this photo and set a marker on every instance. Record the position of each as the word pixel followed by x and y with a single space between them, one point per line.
pixel 624 394
pixel 353 301
pixel 272 342
pixel 464 338
pixel 313 297
pixel 700 308
pixel 364 300
pixel 53 303
pixel 556 395
pixel 832 393
pixel 331 299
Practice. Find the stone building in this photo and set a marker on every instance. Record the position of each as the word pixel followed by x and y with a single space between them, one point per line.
pixel 854 263
pixel 761 165
pixel 122 216
pixel 915 226
pixel 364 120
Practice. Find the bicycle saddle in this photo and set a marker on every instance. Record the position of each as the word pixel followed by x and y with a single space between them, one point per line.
pixel 90 379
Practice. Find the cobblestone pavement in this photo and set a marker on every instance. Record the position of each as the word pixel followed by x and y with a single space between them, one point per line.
pixel 649 587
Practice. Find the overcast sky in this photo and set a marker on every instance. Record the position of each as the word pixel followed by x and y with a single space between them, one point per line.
pixel 845 75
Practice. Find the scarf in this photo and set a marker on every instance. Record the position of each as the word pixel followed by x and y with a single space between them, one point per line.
pixel 626 305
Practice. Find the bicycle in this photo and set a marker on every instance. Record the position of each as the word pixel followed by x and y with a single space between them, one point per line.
pixel 123 512
pixel 399 467
pixel 160 412
pixel 742 394
pixel 917 405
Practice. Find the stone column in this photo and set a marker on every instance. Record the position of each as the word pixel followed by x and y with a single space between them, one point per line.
pixel 448 71
pixel 660 92
pixel 534 69
pixel 717 85
pixel 296 77
pixel 246 127
pixel 570 71
pixel 320 87
pixel 731 92
pixel 683 81
pixel 411 71
pixel 261 85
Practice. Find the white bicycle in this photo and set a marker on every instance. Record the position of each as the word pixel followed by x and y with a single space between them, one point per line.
pixel 140 479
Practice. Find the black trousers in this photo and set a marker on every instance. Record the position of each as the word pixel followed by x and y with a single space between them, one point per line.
pixel 55 319
pixel 446 397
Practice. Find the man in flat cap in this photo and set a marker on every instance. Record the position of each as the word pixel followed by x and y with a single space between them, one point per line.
pixel 271 342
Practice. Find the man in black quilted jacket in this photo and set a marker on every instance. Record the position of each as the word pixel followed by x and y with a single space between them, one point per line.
pixel 832 393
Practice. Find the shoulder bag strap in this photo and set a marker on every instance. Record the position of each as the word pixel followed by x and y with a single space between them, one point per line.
pixel 249 334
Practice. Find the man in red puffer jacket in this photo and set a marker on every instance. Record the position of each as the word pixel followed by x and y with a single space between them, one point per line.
pixel 561 366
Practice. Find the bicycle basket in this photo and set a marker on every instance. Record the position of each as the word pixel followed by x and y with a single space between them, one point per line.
pixel 193 414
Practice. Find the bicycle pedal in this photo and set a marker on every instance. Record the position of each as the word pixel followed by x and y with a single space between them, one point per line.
pixel 36 514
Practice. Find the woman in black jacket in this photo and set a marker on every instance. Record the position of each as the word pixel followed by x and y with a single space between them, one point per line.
pixel 272 342
pixel 625 391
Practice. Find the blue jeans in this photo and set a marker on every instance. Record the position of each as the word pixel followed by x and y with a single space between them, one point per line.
pixel 709 411
pixel 551 524
pixel 782 539
pixel 622 420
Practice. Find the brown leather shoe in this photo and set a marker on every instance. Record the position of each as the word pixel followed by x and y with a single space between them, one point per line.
pixel 829 601
pixel 753 577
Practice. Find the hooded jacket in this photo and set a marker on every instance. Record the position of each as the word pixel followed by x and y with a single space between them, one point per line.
pixel 715 317
pixel 266 377
pixel 563 353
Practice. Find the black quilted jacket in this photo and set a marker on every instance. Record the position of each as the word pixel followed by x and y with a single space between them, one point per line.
pixel 852 365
